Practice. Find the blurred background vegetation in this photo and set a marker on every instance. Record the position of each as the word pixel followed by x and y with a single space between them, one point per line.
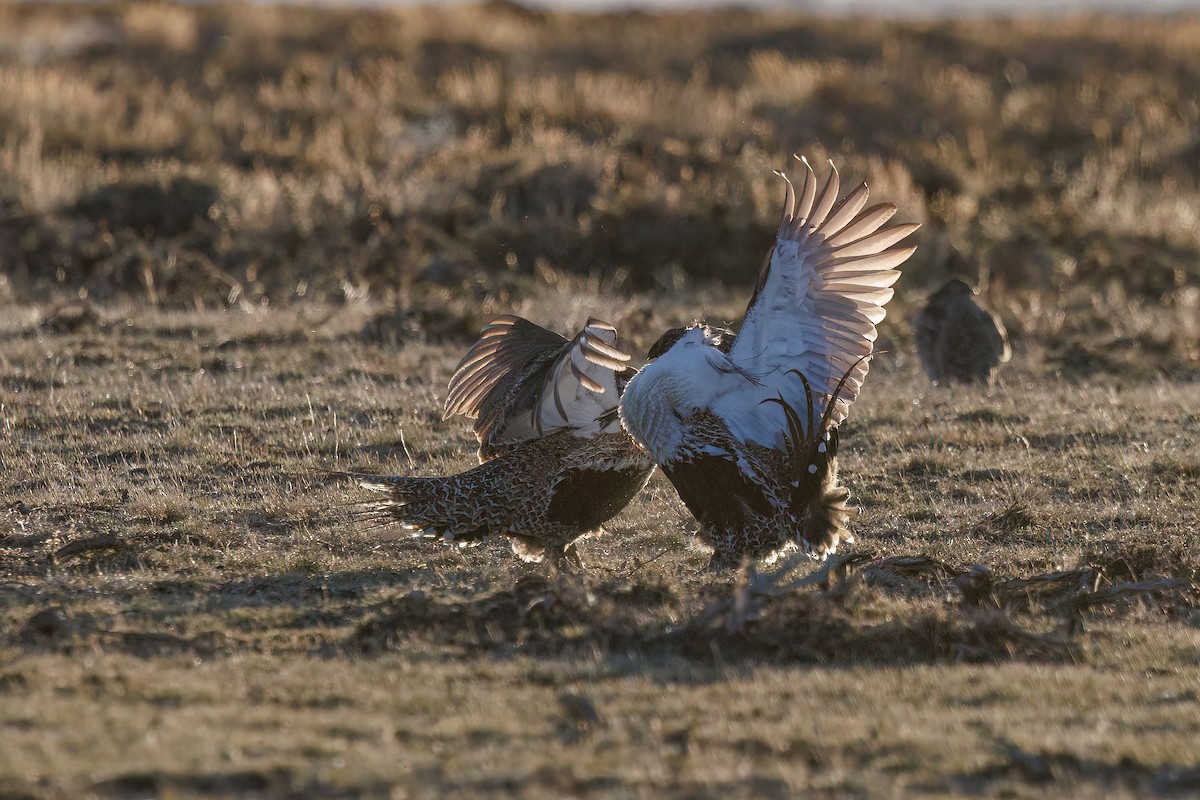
pixel 435 159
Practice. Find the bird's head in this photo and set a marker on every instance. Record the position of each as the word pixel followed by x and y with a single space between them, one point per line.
pixel 665 343
pixel 957 287
pixel 690 336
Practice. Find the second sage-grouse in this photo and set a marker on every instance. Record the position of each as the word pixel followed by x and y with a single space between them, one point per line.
pixel 748 433
pixel 956 339
pixel 555 463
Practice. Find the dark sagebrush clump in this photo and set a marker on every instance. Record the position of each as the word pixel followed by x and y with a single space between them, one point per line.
pixel 220 153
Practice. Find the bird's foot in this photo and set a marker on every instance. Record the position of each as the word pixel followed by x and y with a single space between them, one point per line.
pixel 565 560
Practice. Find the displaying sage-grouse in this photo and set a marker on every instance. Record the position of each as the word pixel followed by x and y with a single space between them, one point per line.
pixel 748 433
pixel 555 463
pixel 957 340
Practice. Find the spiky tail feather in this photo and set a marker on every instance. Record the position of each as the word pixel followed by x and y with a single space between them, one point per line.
pixel 430 507
pixel 819 503
pixel 825 515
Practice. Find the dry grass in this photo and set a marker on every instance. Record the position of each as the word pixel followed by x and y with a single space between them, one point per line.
pixel 222 153
pixel 242 244
pixel 183 585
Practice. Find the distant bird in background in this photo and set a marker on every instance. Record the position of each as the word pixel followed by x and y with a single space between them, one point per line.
pixel 555 464
pixel 957 340
pixel 747 431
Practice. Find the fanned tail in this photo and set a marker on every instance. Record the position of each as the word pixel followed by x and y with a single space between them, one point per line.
pixel 819 504
pixel 428 507
pixel 825 513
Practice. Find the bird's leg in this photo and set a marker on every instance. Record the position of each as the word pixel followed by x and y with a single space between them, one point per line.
pixel 718 564
pixel 783 580
pixel 745 604
pixel 571 556
pixel 564 560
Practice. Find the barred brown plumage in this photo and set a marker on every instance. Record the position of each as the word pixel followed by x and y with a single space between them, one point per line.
pixel 957 340
pixel 542 495
pixel 555 463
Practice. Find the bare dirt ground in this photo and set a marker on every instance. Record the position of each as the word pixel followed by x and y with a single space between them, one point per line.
pixel 241 246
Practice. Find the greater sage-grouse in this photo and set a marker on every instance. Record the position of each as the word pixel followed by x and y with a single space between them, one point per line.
pixel 748 433
pixel 555 464
pixel 957 340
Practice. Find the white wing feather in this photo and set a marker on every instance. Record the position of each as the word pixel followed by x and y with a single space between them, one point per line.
pixel 499 384
pixel 817 304
pixel 582 385
pixel 814 310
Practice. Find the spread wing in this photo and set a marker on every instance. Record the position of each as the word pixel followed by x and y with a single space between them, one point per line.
pixel 520 381
pixel 507 348
pixel 821 292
